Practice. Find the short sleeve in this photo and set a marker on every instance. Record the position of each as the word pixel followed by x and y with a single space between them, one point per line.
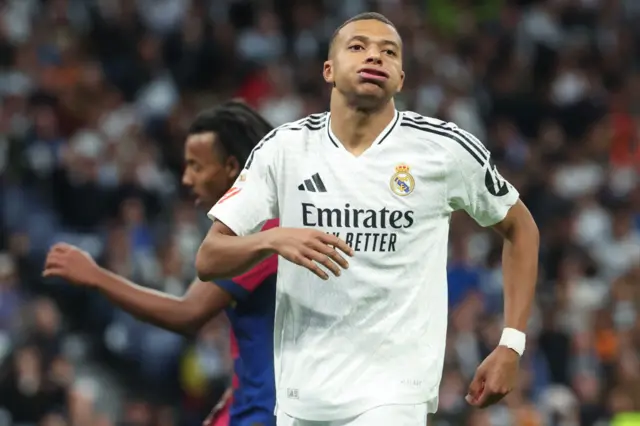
pixel 252 200
pixel 474 183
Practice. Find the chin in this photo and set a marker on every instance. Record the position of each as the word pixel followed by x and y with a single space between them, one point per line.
pixel 371 90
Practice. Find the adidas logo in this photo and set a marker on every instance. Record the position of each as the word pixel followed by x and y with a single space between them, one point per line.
pixel 314 184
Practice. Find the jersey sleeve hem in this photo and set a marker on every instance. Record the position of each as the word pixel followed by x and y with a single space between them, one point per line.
pixel 228 220
pixel 236 290
pixel 512 199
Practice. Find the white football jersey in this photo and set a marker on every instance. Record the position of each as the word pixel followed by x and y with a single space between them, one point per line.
pixel 376 334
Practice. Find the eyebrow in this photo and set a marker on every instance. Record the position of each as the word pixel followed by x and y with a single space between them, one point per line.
pixel 366 39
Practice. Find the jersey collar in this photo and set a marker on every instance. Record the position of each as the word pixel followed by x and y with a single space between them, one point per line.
pixel 381 137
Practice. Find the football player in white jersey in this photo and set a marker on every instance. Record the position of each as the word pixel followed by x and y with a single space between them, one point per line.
pixel 364 194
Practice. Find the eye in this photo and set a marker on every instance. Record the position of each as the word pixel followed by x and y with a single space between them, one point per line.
pixel 356 47
pixel 390 52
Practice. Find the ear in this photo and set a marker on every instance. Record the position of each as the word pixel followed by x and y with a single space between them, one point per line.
pixel 232 168
pixel 327 71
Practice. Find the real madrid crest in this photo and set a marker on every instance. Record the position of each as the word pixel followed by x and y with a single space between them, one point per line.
pixel 402 183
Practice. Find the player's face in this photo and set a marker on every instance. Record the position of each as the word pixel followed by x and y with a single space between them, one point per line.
pixel 207 172
pixel 366 62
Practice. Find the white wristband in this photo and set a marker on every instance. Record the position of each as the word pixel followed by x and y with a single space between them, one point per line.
pixel 513 339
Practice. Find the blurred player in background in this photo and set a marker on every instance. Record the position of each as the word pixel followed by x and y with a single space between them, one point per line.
pixel 218 144
pixel 376 186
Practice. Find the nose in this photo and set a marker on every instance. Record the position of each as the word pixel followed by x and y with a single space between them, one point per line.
pixel 373 56
pixel 186 179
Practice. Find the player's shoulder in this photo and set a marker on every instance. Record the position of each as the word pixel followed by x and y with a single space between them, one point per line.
pixel 444 135
pixel 310 124
pixel 413 117
pixel 432 128
pixel 279 140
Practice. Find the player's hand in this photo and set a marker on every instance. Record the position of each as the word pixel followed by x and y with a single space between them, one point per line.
pixel 494 378
pixel 72 264
pixel 310 248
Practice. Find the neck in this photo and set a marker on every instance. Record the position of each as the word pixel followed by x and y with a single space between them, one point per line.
pixel 357 128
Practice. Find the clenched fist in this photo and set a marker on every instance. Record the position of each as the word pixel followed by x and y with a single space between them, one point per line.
pixel 494 378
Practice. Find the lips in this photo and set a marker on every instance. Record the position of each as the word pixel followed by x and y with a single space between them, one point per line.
pixel 373 74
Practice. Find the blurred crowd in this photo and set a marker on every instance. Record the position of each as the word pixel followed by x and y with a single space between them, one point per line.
pixel 95 99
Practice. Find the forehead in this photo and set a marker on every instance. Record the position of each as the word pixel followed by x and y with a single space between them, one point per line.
pixel 201 146
pixel 370 28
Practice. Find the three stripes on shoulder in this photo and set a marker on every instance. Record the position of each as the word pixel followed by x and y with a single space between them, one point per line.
pixel 312 122
pixel 493 181
pixel 466 140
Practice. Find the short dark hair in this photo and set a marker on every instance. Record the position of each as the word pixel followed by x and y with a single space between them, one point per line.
pixel 238 127
pixel 365 16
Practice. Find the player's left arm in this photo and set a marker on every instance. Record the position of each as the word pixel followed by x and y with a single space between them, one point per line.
pixel 476 186
pixel 519 265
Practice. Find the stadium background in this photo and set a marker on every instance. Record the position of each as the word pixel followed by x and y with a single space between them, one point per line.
pixel 95 99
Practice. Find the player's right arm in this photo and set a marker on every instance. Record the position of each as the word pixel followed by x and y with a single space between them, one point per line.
pixel 233 245
pixel 185 315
